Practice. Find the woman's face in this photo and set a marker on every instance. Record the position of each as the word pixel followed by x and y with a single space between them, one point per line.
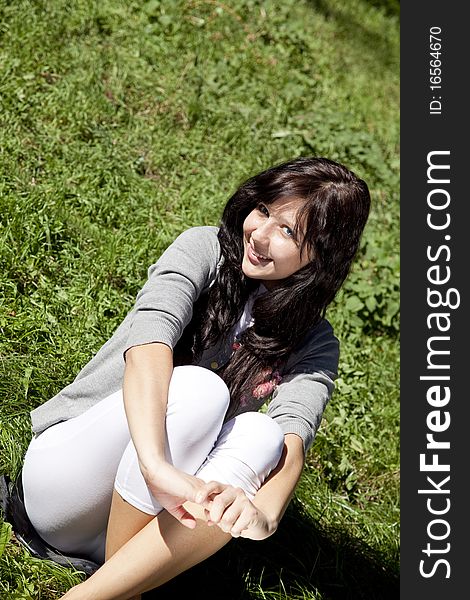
pixel 271 251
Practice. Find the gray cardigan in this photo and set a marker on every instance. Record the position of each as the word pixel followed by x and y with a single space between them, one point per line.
pixel 163 309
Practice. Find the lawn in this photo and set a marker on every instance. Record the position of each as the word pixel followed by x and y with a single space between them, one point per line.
pixel 122 123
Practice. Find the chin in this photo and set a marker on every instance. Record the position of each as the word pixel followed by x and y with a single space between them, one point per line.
pixel 248 272
pixel 251 275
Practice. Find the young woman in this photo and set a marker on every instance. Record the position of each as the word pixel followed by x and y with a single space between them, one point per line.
pixel 155 456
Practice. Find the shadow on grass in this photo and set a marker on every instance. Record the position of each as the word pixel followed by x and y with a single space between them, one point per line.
pixel 309 561
pixel 354 29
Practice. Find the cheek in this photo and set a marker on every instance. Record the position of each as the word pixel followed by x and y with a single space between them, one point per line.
pixel 294 263
pixel 248 224
pixel 289 259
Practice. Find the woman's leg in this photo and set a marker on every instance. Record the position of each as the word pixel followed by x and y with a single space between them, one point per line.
pixel 68 476
pixel 248 448
pixel 124 522
pixel 128 521
pixel 69 470
pixel 160 551
pixel 235 459
pixel 193 425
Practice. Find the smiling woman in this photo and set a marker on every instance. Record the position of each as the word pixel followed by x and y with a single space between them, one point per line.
pixel 175 458
pixel 271 248
pixel 306 216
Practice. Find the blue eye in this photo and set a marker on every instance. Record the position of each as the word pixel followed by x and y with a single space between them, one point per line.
pixel 262 208
pixel 289 231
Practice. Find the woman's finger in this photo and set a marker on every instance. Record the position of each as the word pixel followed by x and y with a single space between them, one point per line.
pixel 244 521
pixel 232 516
pixel 238 516
pixel 223 500
pixel 204 494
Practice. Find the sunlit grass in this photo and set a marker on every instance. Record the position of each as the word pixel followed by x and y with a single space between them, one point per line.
pixel 123 123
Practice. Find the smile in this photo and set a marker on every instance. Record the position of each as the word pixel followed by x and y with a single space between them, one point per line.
pixel 260 255
pixel 256 258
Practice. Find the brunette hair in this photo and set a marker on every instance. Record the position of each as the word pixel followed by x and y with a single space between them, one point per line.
pixel 332 217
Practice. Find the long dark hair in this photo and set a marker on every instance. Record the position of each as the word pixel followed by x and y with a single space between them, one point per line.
pixel 333 216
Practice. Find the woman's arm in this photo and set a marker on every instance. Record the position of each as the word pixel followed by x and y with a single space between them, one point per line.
pixel 234 513
pixel 146 381
pixel 275 494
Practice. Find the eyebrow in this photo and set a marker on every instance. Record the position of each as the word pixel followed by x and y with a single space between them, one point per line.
pixel 284 220
pixel 297 227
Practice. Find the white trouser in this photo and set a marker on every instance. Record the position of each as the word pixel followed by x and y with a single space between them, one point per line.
pixel 70 470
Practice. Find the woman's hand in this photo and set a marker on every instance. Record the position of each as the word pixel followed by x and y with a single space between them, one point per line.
pixel 172 488
pixel 230 509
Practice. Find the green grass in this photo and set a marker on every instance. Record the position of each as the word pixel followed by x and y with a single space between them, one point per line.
pixel 123 123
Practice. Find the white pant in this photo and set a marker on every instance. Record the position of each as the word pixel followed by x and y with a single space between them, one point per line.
pixel 70 469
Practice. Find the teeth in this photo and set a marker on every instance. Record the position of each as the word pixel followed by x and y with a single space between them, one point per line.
pixel 260 256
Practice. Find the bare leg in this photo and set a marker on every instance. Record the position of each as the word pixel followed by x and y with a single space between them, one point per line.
pixel 161 550
pixel 124 522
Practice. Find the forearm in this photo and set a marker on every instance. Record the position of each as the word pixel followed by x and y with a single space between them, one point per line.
pixel 149 369
pixel 275 494
pixel 146 381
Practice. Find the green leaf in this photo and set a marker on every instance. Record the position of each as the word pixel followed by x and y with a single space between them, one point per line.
pixel 354 304
pixel 371 303
pixel 356 445
pixel 5 535
pixel 392 308
pixel 351 481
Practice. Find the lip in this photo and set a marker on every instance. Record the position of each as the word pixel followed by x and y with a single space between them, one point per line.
pixel 254 259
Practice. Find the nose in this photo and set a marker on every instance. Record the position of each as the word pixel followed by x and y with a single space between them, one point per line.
pixel 262 233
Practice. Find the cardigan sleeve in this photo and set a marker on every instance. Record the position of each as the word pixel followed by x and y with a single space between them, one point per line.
pixel 164 306
pixel 298 402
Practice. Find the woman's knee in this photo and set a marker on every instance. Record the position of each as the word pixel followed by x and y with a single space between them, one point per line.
pixel 260 432
pixel 200 391
pixel 247 450
pixel 254 438
pixel 197 403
